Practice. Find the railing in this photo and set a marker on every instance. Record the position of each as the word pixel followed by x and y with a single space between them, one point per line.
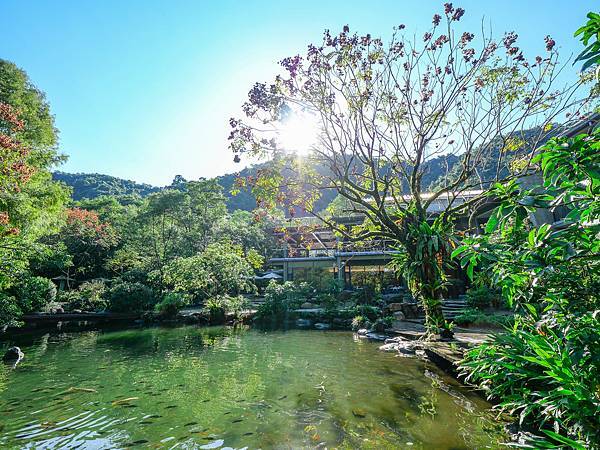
pixel 342 247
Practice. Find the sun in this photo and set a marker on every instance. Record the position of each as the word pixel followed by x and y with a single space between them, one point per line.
pixel 298 132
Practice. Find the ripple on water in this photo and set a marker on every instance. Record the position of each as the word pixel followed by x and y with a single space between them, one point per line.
pixel 221 388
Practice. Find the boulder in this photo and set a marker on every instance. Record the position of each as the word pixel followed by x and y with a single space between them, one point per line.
pixel 399 315
pixel 308 305
pixel 322 326
pixel 362 332
pixel 303 323
pixel 376 336
pixel 393 307
pixel 13 354
pixel 391 347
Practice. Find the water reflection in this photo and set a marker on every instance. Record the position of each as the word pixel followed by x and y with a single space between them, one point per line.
pixel 195 387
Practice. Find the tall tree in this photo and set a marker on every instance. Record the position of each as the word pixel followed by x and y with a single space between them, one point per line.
pixel 385 111
pixel 31 205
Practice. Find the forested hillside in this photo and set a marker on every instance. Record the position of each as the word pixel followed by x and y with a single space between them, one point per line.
pixel 92 185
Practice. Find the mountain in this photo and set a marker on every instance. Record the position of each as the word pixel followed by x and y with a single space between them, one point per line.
pixel 92 185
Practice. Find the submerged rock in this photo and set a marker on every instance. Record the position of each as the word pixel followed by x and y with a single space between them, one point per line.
pixel 13 354
pixel 322 326
pixel 303 323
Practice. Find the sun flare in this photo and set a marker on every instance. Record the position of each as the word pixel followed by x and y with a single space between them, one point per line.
pixel 298 133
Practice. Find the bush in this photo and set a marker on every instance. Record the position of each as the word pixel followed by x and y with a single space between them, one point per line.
pixel 90 296
pixel 216 308
pixel 220 306
pixel 358 322
pixel 545 371
pixel 482 297
pixel 34 293
pixel 282 298
pixel 124 296
pixel 171 304
pixel 9 311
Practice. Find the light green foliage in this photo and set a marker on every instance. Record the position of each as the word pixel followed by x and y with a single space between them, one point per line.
pixel 9 311
pixel 359 322
pixel 221 269
pixel 546 368
pixel 221 305
pixel 280 299
pixel 33 293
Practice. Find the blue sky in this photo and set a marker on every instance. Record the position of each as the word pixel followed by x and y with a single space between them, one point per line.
pixel 144 89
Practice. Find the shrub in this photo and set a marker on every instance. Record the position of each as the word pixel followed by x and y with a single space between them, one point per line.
pixel 216 307
pixel 90 296
pixel 124 296
pixel 282 298
pixel 171 304
pixel 9 311
pixel 477 317
pixel 358 322
pixel 482 297
pixel 34 293
pixel 220 306
pixel 545 371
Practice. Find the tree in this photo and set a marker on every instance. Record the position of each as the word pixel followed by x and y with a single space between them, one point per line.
pixel 89 241
pixel 384 112
pixel 31 205
pixel 221 269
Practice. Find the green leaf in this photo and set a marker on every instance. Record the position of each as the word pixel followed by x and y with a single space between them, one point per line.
pixel 564 440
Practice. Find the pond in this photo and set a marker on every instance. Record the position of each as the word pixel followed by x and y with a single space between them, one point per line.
pixel 219 387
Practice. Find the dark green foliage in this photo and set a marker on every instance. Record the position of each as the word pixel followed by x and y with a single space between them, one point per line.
pixel 483 297
pixel 590 37
pixel 92 185
pixel 171 304
pixel 130 297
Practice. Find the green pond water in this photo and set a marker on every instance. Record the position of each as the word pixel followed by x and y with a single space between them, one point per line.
pixel 223 388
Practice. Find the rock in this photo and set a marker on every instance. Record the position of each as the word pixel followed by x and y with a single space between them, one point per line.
pixel 303 323
pixel 362 332
pixel 322 326
pixel 392 298
pixel 308 305
pixel 58 310
pixel 76 311
pixel 13 354
pixel 391 347
pixel 359 412
pixel 376 336
pixel 399 315
pixel 393 307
